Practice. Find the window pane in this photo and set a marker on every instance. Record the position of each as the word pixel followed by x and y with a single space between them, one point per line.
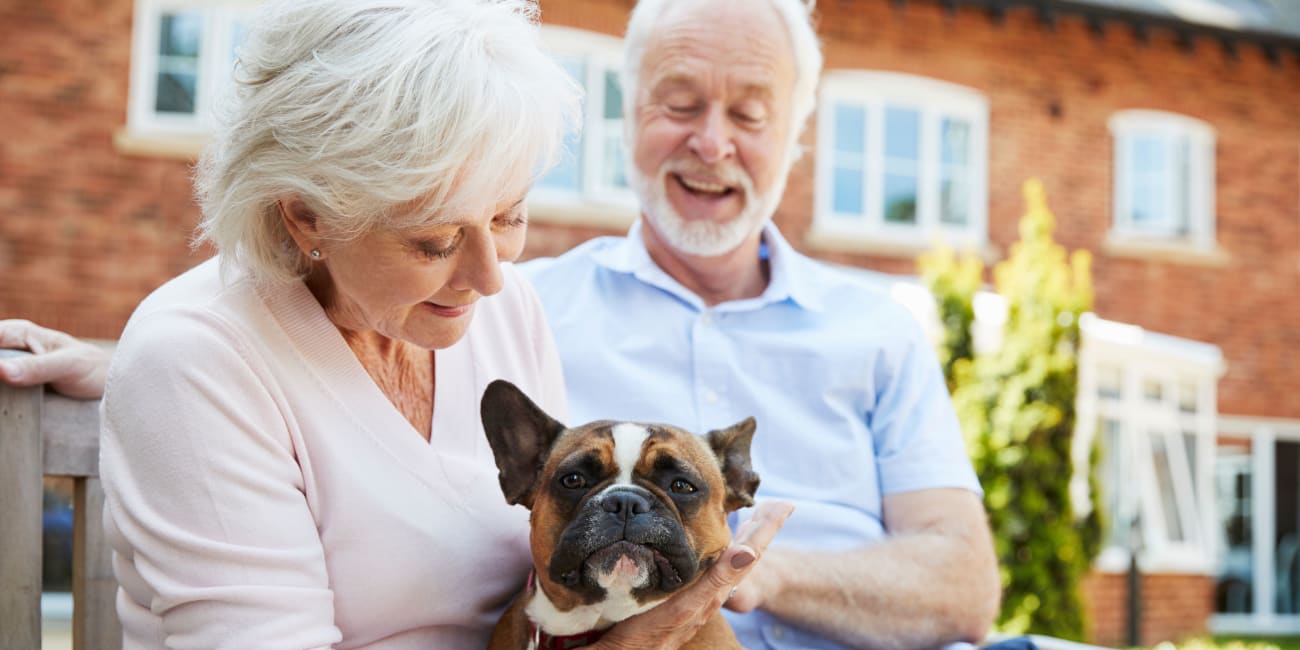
pixel 955 184
pixel 900 198
pixel 1148 209
pixel 1187 397
pixel 612 172
pixel 956 142
pixel 567 172
pixel 613 96
pixel 850 128
pixel 902 144
pixel 902 134
pixel 1234 588
pixel 1113 482
pixel 849 159
pixel 1162 460
pixel 1182 188
pixel 1149 155
pixel 847 191
pixel 178 62
pixel 1110 382
pixel 1152 390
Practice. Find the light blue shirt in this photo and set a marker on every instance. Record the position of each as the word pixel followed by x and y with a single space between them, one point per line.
pixel 848 394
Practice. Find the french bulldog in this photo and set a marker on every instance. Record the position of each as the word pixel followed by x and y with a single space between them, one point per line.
pixel 622 515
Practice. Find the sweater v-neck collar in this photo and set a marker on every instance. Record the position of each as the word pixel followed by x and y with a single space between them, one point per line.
pixel 332 362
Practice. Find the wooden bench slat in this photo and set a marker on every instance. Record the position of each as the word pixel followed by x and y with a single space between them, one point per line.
pixel 70 430
pixel 94 589
pixel 47 434
pixel 20 517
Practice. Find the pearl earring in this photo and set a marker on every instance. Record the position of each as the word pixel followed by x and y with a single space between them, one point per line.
pixel 315 253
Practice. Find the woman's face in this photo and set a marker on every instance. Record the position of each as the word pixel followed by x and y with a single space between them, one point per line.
pixel 421 286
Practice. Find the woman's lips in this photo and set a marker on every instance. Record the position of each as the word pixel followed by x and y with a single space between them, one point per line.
pixel 449 311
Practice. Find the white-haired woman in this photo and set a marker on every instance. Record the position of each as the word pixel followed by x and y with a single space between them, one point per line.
pixel 292 453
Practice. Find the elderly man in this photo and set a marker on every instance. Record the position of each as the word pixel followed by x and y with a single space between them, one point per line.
pixel 703 315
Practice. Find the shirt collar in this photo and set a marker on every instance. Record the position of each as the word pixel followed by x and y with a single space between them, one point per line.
pixel 790 280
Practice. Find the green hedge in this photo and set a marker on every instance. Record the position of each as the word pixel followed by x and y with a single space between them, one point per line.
pixel 1017 411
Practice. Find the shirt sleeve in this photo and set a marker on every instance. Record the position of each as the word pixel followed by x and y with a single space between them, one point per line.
pixel 205 495
pixel 919 443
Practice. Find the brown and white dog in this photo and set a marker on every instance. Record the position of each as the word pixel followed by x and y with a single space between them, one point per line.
pixel 622 516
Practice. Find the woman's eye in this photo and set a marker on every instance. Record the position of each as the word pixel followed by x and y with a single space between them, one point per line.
pixel 510 222
pixel 436 251
pixel 573 481
pixel 682 487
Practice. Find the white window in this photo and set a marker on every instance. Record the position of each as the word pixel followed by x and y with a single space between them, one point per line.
pixel 1164 178
pixel 900 159
pixel 590 175
pixel 182 55
pixel 1151 399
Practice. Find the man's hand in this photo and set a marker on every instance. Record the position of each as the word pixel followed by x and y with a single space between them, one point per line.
pixel 676 621
pixel 71 366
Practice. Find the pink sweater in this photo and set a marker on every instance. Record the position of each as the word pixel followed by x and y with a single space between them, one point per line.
pixel 263 493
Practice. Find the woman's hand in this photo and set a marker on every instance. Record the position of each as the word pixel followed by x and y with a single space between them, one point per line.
pixel 71 366
pixel 676 621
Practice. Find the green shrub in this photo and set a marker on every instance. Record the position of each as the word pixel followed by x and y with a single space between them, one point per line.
pixel 1017 411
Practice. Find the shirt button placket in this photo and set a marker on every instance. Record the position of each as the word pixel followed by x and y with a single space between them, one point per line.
pixel 710 370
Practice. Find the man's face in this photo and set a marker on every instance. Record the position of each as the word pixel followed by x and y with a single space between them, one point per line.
pixel 712 116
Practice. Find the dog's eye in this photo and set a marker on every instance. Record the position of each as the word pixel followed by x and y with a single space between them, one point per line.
pixel 573 481
pixel 682 487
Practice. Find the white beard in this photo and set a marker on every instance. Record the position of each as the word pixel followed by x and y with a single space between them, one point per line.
pixel 703 238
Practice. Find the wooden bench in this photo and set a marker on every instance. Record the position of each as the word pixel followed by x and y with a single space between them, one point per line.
pixel 44 434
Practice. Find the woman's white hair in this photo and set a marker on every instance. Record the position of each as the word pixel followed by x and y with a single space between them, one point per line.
pixel 797 17
pixel 377 114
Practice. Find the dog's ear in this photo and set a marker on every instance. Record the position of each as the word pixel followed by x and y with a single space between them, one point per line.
pixel 731 446
pixel 521 435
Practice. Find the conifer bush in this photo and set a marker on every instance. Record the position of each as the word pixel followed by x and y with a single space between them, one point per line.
pixel 1016 405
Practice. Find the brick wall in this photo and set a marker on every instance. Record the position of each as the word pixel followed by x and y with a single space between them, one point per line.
pixel 1174 607
pixel 85 232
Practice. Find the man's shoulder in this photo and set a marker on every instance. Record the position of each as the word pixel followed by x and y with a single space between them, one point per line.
pixel 857 293
pixel 579 260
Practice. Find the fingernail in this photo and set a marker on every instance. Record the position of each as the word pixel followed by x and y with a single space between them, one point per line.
pixel 742 559
pixel 11 370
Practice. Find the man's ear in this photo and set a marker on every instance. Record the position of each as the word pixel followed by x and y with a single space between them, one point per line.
pixel 521 435
pixel 300 221
pixel 731 446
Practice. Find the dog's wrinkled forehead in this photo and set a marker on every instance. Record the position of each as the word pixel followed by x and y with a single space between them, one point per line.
pixel 626 448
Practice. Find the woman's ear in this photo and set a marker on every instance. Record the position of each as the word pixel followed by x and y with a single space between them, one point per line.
pixel 301 223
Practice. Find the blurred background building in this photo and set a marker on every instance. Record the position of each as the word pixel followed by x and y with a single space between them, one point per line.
pixel 1166 132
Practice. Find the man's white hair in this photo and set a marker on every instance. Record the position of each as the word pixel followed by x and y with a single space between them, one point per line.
pixel 795 15
pixel 378 114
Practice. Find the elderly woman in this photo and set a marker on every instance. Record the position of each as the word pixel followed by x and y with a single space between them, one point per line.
pixel 292 453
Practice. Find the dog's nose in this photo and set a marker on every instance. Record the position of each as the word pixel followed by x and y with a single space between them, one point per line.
pixel 625 505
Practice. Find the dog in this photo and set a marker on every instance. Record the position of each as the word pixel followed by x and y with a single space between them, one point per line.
pixel 622 515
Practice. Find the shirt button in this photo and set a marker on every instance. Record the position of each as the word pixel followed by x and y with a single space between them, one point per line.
pixel 778 632
pixel 711 396
pixel 706 318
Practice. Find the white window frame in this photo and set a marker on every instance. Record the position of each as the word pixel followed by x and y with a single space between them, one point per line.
pixel 595 202
pixel 1198 206
pixel 1171 363
pixel 216 62
pixel 934 100
pixel 1263 434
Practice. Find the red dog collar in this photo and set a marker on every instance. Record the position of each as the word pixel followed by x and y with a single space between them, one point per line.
pixel 544 641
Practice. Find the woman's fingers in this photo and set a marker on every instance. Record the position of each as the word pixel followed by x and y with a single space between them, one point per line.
pixel 71 366
pixel 676 621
